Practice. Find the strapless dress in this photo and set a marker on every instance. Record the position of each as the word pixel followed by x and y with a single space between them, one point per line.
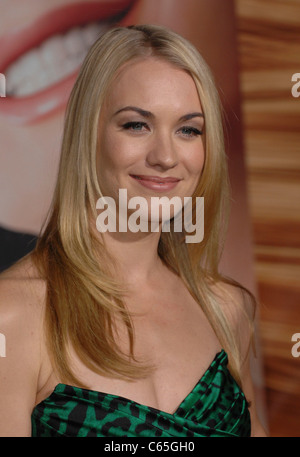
pixel 216 407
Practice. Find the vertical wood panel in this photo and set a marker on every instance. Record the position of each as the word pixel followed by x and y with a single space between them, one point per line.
pixel 269 54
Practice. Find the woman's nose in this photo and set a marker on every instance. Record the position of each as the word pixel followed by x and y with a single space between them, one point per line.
pixel 162 152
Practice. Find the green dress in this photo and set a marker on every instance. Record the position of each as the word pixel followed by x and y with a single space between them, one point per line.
pixel 216 407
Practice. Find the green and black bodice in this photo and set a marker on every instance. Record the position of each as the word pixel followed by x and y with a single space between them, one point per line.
pixel 216 407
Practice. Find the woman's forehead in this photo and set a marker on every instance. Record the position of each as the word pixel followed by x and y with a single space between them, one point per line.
pixel 154 82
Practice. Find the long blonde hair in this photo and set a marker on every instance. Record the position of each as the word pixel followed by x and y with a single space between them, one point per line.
pixel 83 294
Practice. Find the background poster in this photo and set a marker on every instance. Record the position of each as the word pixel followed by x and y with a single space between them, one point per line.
pixel 42 45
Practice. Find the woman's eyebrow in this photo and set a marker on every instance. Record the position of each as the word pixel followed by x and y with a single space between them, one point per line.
pixel 189 116
pixel 140 111
pixel 148 114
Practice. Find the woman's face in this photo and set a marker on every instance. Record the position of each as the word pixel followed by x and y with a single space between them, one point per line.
pixel 150 128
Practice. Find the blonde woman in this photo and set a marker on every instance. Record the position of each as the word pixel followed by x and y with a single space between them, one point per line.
pixel 131 332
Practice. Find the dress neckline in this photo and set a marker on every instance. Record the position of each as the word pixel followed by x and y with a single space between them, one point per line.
pixel 60 388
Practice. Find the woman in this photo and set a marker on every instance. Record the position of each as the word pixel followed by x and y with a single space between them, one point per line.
pixel 125 333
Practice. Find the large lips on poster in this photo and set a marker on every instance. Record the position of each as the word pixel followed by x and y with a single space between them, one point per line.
pixel 40 61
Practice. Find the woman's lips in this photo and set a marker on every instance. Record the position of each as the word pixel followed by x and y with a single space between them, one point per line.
pixel 42 64
pixel 157 183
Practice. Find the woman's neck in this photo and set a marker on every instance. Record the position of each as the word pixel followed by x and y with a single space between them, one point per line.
pixel 136 255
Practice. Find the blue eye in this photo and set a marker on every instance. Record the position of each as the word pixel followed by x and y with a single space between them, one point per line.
pixel 135 126
pixel 190 131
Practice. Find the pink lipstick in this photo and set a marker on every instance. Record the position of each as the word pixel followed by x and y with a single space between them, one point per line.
pixel 157 183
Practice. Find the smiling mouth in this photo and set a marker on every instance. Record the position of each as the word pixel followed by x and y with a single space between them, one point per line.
pixel 157 183
pixel 41 61
pixel 156 179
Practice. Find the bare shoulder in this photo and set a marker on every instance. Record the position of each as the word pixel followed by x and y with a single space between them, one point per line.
pixel 22 298
pixel 22 273
pixel 22 294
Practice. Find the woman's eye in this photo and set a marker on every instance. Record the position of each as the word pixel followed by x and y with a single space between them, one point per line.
pixel 190 131
pixel 134 126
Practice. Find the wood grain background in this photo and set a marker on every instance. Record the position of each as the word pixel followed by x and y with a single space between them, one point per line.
pixel 269 54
